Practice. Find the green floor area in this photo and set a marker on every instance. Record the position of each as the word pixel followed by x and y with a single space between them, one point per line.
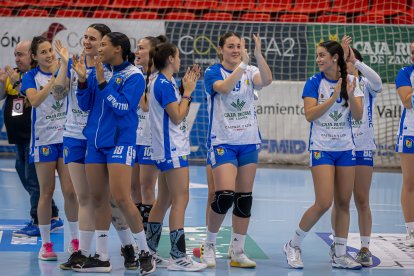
pixel 194 236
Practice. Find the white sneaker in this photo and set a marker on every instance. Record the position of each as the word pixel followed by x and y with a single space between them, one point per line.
pixel 229 251
pixel 185 264
pixel 332 250
pixel 240 259
pixel 293 256
pixel 345 262
pixel 160 261
pixel 208 254
pixel 409 239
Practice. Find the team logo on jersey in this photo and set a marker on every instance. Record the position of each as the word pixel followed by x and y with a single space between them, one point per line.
pixel 335 115
pixel 118 80
pixel 57 106
pixel 66 151
pixel 220 151
pixel 409 143
pixel 184 157
pixel 247 82
pixel 238 104
pixel 46 150
pixel 317 155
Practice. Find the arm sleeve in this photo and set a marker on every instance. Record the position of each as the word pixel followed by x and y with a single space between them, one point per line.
pixel 212 75
pixel 85 95
pixel 403 78
pixel 374 80
pixel 28 82
pixel 311 88
pixel 125 99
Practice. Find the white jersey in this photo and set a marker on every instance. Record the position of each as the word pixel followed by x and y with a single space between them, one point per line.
pixel 75 118
pixel 167 139
pixel 144 130
pixel 49 117
pixel 232 116
pixel 405 77
pixel 364 130
pixel 332 131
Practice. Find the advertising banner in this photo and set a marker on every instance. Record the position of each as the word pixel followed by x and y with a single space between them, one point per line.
pixel 284 46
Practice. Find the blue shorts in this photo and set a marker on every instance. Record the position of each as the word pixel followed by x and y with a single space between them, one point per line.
pixel 238 155
pixel 144 155
pixel 46 153
pixel 74 150
pixel 173 163
pixel 405 144
pixel 364 158
pixel 333 158
pixel 115 155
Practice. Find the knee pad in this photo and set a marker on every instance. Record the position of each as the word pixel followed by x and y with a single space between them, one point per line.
pixel 242 204
pixel 223 200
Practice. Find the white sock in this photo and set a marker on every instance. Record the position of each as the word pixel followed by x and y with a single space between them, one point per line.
pixel 365 241
pixel 298 238
pixel 340 246
pixel 409 226
pixel 211 237
pixel 238 242
pixel 74 229
pixel 102 241
pixel 85 242
pixel 45 233
pixel 141 240
pixel 125 236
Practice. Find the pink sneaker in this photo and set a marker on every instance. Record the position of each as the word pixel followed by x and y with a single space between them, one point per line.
pixel 73 246
pixel 46 252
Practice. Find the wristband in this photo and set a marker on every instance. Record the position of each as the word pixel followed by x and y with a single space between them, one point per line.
pixel 188 98
pixel 243 65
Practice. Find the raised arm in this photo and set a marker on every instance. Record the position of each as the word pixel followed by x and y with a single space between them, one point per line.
pixel 265 76
pixel 313 110
pixel 61 85
pixel 227 85
pixel 178 111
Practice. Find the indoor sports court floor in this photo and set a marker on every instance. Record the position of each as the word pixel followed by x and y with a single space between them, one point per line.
pixel 280 198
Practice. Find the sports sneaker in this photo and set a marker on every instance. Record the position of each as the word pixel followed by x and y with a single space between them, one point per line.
pixel 185 264
pixel 229 251
pixel 240 259
pixel 93 264
pixel 130 262
pixel 30 230
pixel 146 263
pixel 409 240
pixel 46 253
pixel 293 256
pixel 345 262
pixel 332 250
pixel 364 257
pixel 73 246
pixel 160 261
pixel 74 259
pixel 55 225
pixel 208 254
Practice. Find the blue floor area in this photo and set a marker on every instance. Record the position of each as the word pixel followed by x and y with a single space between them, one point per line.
pixel 280 198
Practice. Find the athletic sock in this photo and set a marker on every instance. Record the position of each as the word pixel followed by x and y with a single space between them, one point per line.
pixel 102 241
pixel 85 242
pixel 154 230
pixel 74 229
pixel 211 237
pixel 340 246
pixel 45 233
pixel 297 239
pixel 365 240
pixel 141 240
pixel 125 236
pixel 238 242
pixel 177 238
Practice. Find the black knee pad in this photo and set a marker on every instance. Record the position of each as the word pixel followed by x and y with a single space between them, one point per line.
pixel 223 200
pixel 242 205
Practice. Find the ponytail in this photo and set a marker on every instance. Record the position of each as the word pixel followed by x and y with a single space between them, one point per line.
pixel 344 74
